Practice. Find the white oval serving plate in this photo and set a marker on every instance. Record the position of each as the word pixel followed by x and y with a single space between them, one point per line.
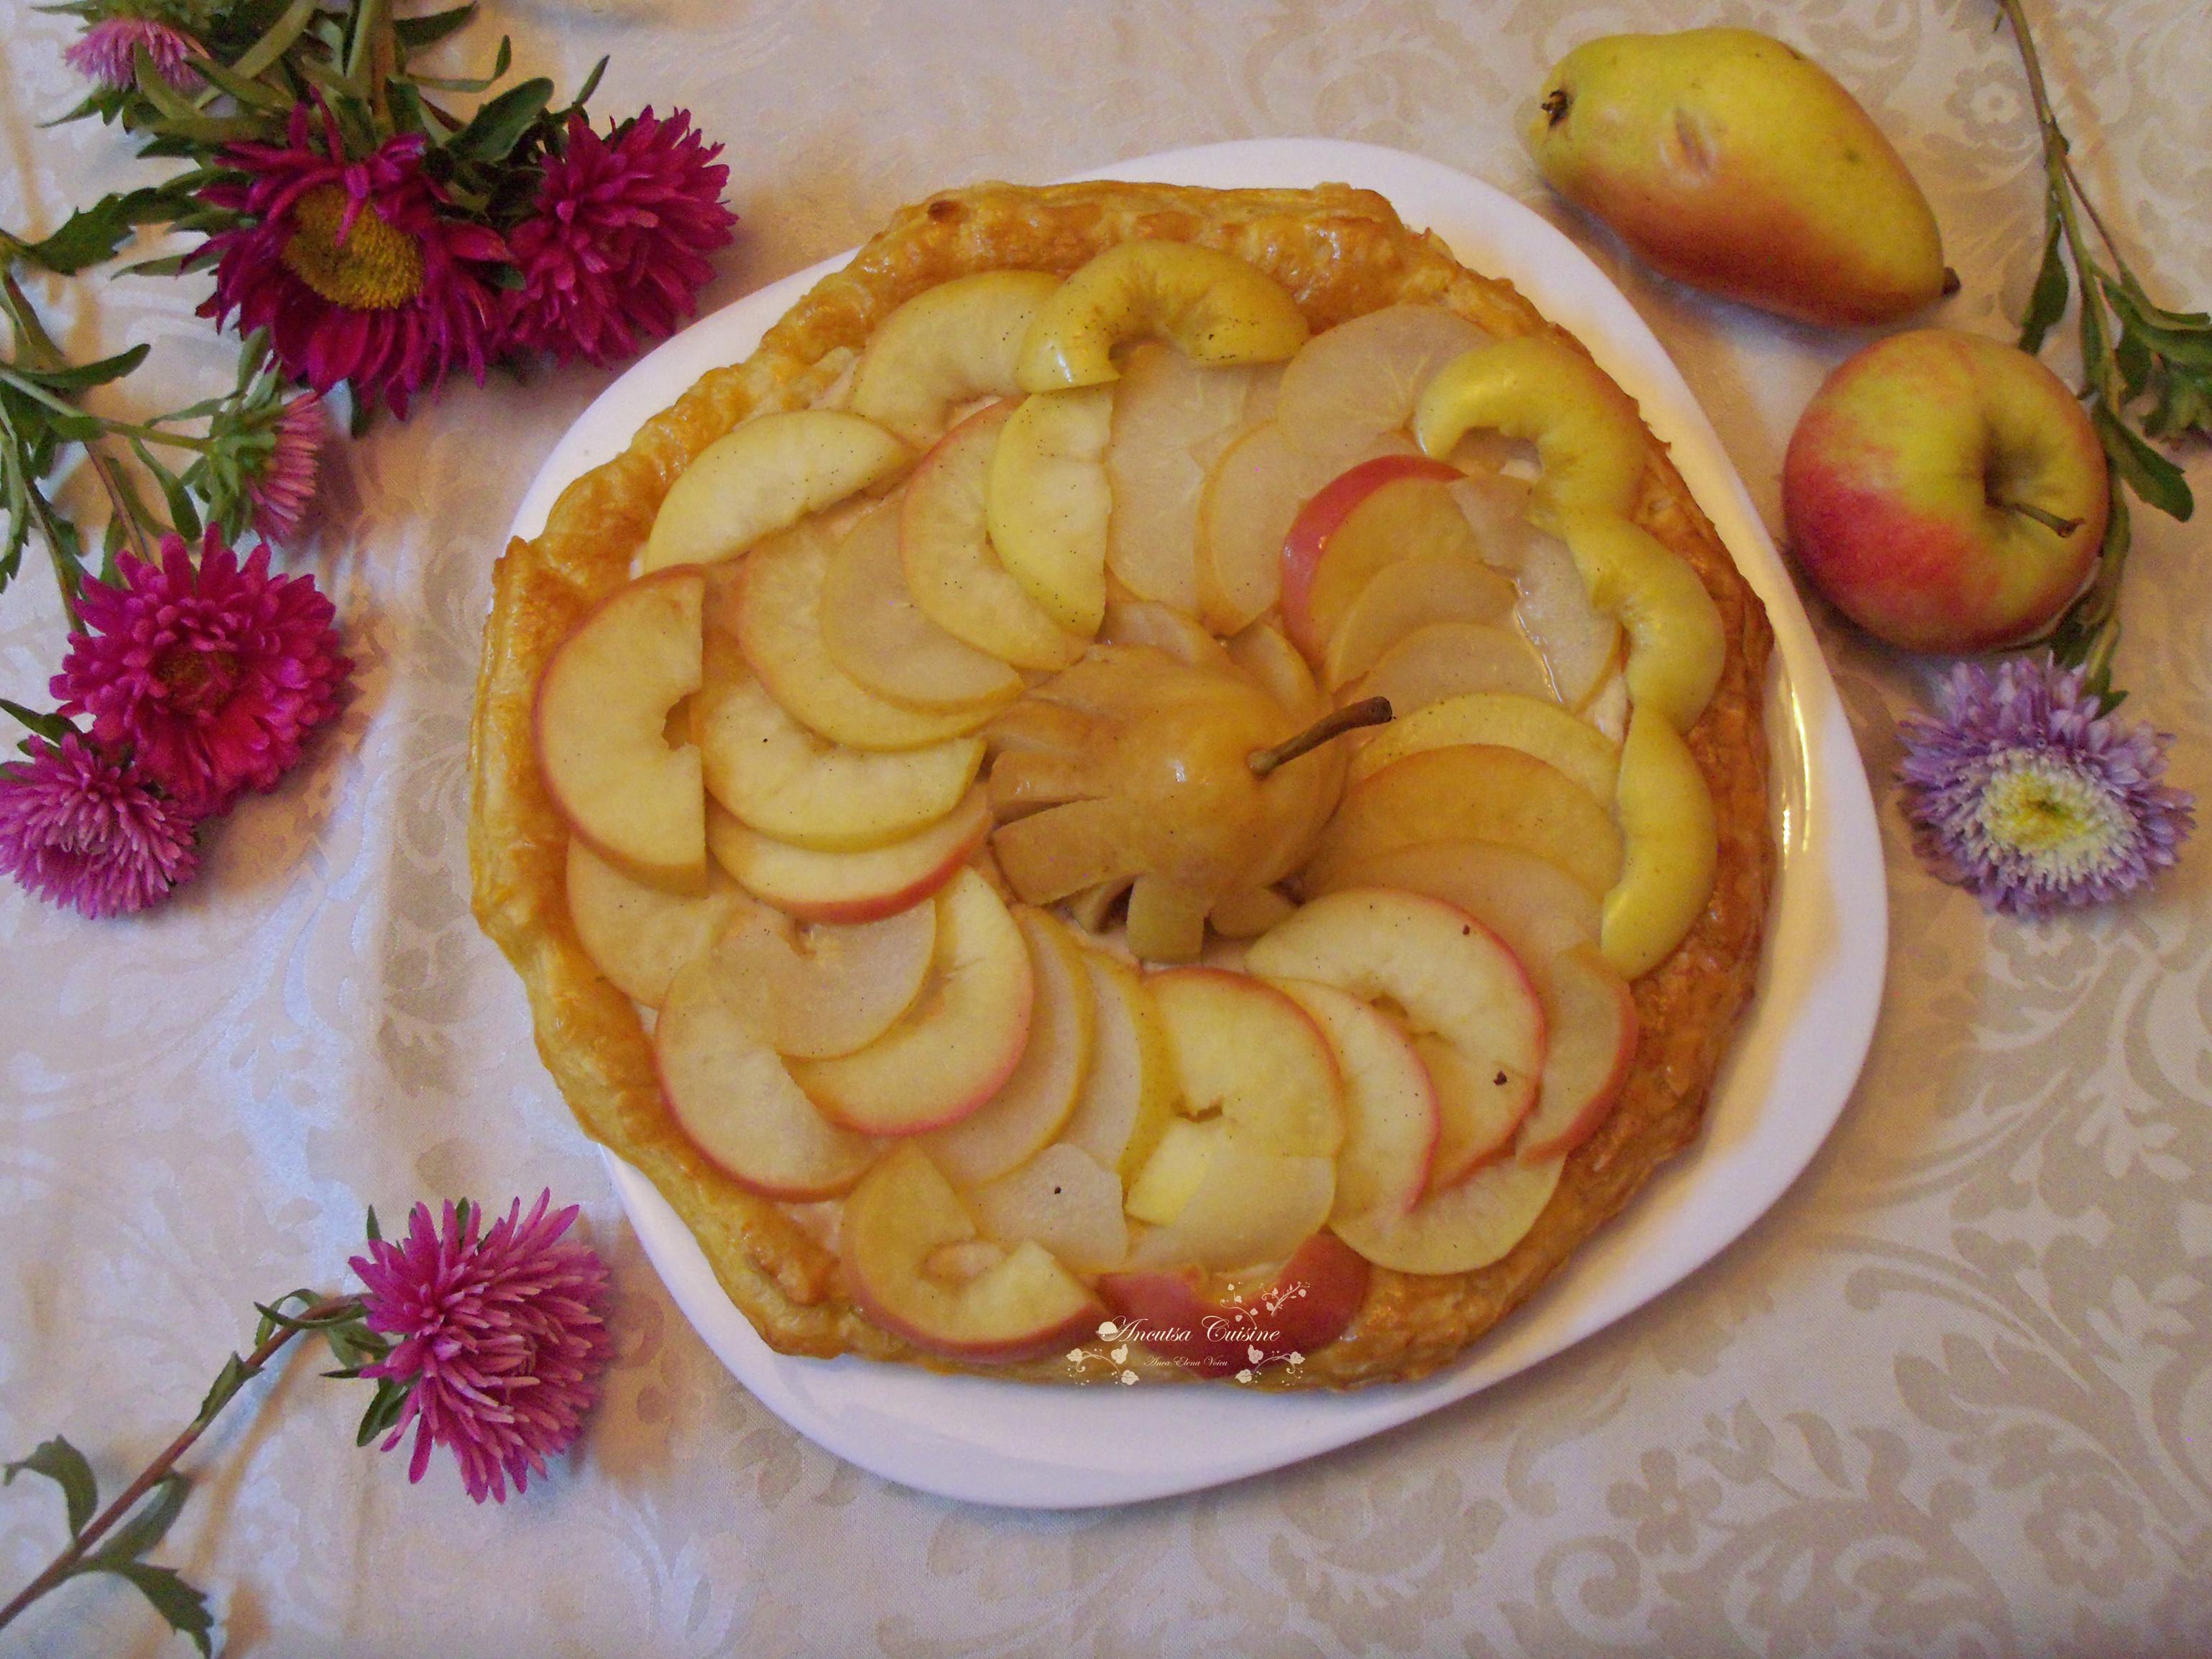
pixel 1784 1084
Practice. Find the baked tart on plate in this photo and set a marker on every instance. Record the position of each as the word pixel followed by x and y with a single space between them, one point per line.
pixel 1159 758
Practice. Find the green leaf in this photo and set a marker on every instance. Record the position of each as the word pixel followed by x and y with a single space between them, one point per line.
pixel 500 124
pixel 591 85
pixel 59 1461
pixel 77 377
pixel 416 32
pixel 228 1381
pixel 184 517
pixel 253 94
pixel 146 1526
pixel 92 234
pixel 184 1608
pixel 500 61
pixel 53 728
pixel 2155 479
pixel 2046 301
pixel 263 54
pixel 383 1410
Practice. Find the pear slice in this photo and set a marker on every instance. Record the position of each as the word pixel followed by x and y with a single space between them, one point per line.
pixel 1589 440
pixel 1047 503
pixel 1209 305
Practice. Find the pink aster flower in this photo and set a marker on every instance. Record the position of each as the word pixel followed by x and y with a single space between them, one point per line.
pixel 283 484
pixel 106 53
pixel 2027 794
pixel 615 250
pixel 79 829
pixel 213 677
pixel 498 1338
pixel 351 265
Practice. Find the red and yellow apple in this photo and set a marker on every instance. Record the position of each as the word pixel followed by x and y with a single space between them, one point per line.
pixel 1945 492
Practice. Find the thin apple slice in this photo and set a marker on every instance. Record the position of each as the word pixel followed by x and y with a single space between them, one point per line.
pixel 948 345
pixel 1127 1100
pixel 1252 1203
pixel 1223 1327
pixel 1047 503
pixel 953 572
pixel 876 634
pixel 781 780
pixel 1464 1227
pixel 1449 975
pixel 950 1051
pixel 637 933
pixel 896 1227
pixel 1593 1028
pixel 1541 387
pixel 1676 647
pixel 1580 643
pixel 1535 726
pixel 1249 502
pixel 1364 377
pixel 1246 1051
pixel 1141 622
pixel 1171 417
pixel 1673 846
pixel 775 610
pixel 1034 1103
pixel 1405 512
pixel 1063 1201
pixel 1471 792
pixel 600 723
pixel 1211 305
pixel 814 992
pixel 1532 904
pixel 765 476
pixel 1274 663
pixel 1391 1101
pixel 850 887
pixel 1091 909
pixel 1420 592
pixel 731 1095
pixel 1446 660
pixel 1477 1111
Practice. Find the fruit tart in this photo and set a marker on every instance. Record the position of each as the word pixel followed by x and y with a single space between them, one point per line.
pixel 1154 754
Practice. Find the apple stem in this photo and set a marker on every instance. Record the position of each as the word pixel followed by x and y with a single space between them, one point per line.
pixel 1368 711
pixel 2049 521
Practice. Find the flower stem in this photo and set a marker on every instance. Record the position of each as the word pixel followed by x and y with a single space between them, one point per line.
pixel 62 1565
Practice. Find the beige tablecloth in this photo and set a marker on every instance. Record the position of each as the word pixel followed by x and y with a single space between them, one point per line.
pixel 1953 1395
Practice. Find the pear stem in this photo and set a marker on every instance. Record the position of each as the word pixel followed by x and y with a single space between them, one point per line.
pixel 1368 711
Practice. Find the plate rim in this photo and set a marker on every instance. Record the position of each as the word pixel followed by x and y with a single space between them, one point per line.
pixel 866 1412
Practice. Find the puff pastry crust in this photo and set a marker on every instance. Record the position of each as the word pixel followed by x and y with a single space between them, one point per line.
pixel 1341 252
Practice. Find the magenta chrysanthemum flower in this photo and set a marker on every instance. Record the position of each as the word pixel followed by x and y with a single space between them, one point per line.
pixel 615 249
pixel 79 829
pixel 351 267
pixel 499 1339
pixel 106 53
pixel 213 677
pixel 2024 793
pixel 283 485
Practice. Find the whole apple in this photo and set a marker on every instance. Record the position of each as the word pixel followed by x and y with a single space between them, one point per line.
pixel 1945 492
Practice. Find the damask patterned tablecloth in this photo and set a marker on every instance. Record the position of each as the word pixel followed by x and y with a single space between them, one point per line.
pixel 1952 1395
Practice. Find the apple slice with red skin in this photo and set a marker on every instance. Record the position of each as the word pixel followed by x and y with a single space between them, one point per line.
pixel 1212 1324
pixel 1317 523
pixel 638 933
pixel 1477 1111
pixel 733 1099
pixel 1594 1032
pixel 903 1223
pixel 949 1053
pixel 600 720
pixel 814 885
pixel 1391 1101
pixel 1033 1104
pixel 825 988
pixel 1463 1227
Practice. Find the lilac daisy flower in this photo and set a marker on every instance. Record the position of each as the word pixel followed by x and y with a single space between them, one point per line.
pixel 2025 793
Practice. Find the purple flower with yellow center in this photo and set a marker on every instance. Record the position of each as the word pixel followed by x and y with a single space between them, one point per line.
pixel 2025 793
pixel 356 267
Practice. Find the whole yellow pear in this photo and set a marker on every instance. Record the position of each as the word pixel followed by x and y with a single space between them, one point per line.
pixel 1735 163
